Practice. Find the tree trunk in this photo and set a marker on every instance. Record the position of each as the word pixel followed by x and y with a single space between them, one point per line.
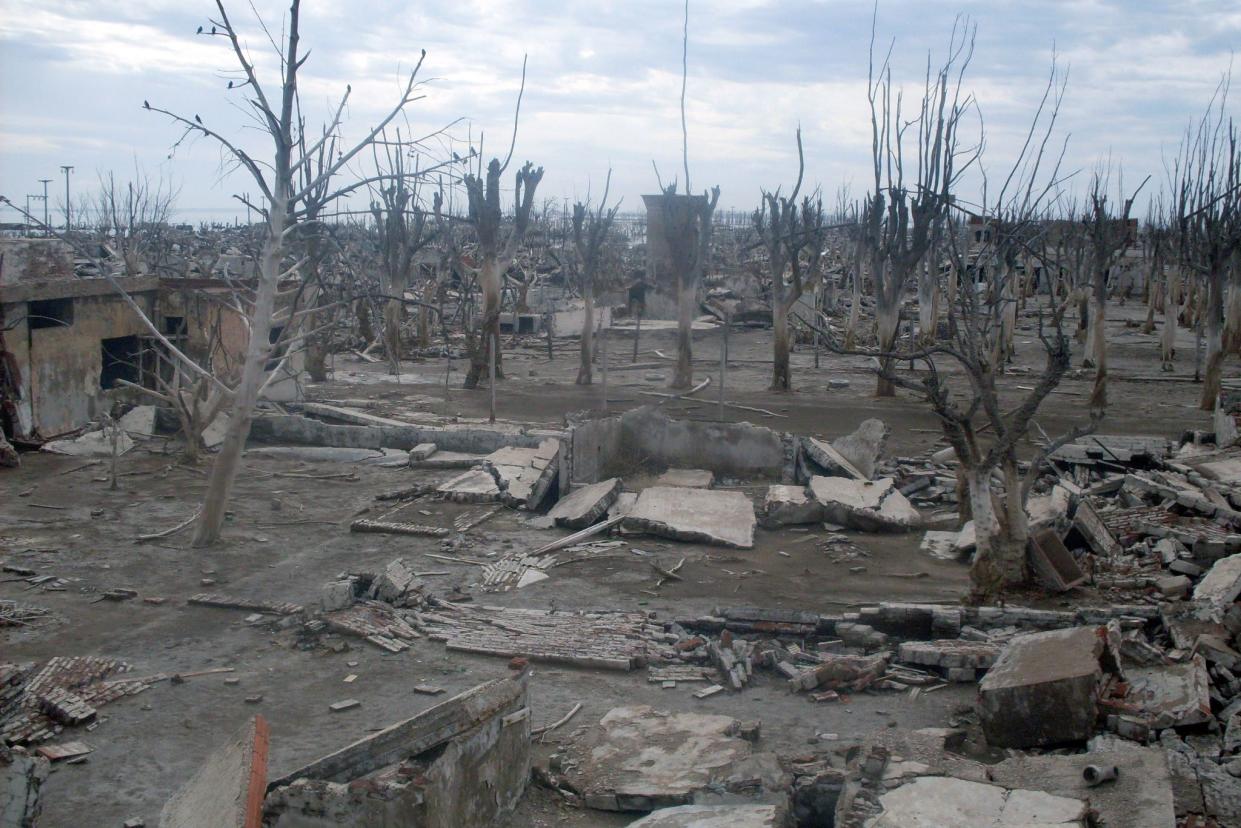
pixel 928 301
pixel 780 378
pixel 1171 310
pixel 1015 528
pixel 489 329
pixel 1214 342
pixel 424 314
pixel 986 574
pixel 683 377
pixel 392 334
pixel 1096 345
pixel 1083 319
pixel 887 323
pixel 228 461
pixel 855 306
pixel 588 342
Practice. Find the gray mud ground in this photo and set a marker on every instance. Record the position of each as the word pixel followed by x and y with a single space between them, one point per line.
pixel 151 743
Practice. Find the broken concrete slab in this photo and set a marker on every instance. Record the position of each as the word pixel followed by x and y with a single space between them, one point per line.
pixel 867 505
pixel 1222 583
pixel 524 475
pixel 624 504
pixel 942 545
pixel 21 778
pixel 639 759
pixel 695 515
pixel 91 444
pixel 712 816
pixel 1044 688
pixel 448 460
pixel 687 478
pixel 321 454
pixel 935 801
pixel 1047 510
pixel 228 789
pixel 398 585
pixel 139 422
pixel 1174 695
pixel 474 486
pixel 586 505
pixel 790 506
pixel 1140 797
pixel 829 460
pixel 422 452
pixel 864 446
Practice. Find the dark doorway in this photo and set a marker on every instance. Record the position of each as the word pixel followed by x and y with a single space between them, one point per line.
pixel 120 360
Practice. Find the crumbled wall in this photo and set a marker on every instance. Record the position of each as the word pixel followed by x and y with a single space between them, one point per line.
pixel 647 434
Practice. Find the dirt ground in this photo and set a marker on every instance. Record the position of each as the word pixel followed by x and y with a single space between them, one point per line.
pixel 289 534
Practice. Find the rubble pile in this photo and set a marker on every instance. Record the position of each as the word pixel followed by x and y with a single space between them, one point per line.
pixel 36 704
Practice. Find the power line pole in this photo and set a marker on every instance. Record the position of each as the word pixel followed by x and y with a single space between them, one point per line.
pixel 44 182
pixel 66 169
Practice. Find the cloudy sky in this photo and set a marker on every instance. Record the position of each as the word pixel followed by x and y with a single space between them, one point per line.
pixel 603 84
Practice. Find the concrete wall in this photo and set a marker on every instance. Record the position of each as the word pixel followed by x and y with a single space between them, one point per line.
pixel 61 365
pixel 471 781
pixel 647 434
pixel 481 439
pixel 481 774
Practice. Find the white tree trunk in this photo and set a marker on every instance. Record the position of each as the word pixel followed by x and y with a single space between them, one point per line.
pixel 228 461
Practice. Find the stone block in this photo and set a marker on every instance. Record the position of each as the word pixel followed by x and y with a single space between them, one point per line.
pixel 866 505
pixel 687 478
pixel 474 486
pixel 695 515
pixel 790 506
pixel 1222 583
pixel 1044 688
pixel 422 451
pixel 586 505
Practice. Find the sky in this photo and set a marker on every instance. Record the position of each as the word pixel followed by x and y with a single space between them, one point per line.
pixel 602 88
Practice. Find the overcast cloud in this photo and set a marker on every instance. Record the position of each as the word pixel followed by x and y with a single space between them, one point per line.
pixel 603 84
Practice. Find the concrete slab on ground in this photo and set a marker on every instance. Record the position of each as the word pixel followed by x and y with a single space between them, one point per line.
pixel 696 515
pixel 711 816
pixel 585 505
pixel 474 486
pixel 639 759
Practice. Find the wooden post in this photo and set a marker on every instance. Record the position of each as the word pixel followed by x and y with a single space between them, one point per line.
pixel 491 372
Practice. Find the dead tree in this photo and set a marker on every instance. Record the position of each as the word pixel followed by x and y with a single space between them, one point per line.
pixel 1107 237
pixel 794 236
pixel 132 221
pixel 1207 208
pixel 497 242
pixel 591 230
pixel 679 229
pixel 283 206
pixel 985 433
pixel 902 215
pixel 402 231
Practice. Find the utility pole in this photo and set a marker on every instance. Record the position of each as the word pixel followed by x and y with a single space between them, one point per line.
pixel 44 182
pixel 66 169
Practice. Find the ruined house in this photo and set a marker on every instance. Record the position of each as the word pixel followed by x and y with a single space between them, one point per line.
pixel 70 335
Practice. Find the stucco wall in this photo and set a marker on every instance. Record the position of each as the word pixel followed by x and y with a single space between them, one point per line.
pixel 61 365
